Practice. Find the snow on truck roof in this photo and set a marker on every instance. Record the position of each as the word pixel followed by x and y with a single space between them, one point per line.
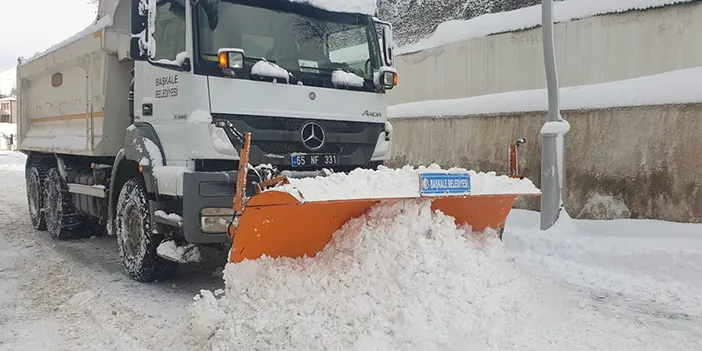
pixel 367 7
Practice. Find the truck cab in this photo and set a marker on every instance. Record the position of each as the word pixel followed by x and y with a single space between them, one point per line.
pixel 171 83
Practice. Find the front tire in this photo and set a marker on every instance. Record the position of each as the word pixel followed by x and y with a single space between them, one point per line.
pixel 137 243
pixel 35 196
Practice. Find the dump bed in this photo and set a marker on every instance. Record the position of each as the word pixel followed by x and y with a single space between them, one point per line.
pixel 73 98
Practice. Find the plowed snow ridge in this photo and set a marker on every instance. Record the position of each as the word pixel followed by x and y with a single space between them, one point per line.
pixel 401 278
pixel 397 183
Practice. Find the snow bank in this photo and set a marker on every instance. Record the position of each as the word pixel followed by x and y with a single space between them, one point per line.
pixel 526 18
pixel 404 278
pixel 400 278
pixel 102 23
pixel 647 266
pixel 341 78
pixel 675 87
pixel 396 183
pixel 268 69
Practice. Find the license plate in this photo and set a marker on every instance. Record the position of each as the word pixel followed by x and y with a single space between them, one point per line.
pixel 311 160
pixel 444 184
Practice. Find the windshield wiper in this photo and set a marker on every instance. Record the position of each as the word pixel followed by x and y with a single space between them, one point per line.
pixel 332 69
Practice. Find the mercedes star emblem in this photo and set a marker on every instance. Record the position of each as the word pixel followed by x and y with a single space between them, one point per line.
pixel 312 136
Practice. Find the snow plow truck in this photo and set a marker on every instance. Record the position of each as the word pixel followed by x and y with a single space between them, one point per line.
pixel 166 122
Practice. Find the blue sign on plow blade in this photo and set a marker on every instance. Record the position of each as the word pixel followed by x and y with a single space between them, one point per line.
pixel 444 184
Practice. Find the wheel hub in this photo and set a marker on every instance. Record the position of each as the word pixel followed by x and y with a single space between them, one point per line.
pixel 133 227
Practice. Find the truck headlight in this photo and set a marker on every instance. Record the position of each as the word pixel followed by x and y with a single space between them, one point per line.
pixel 230 59
pixel 215 220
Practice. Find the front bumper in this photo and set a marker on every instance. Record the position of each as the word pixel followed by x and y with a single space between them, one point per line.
pixel 208 190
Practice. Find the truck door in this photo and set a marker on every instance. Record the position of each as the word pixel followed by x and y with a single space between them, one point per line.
pixel 166 91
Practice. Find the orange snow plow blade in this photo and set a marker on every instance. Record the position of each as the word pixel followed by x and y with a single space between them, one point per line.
pixel 276 224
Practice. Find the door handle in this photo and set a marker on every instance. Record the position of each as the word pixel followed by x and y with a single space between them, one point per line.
pixel 147 109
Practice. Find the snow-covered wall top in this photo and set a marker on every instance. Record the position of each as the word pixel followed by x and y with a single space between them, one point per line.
pixel 527 18
pixel 676 87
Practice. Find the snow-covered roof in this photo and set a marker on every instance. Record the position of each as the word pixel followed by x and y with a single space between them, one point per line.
pixel 527 18
pixel 11 98
pixel 675 87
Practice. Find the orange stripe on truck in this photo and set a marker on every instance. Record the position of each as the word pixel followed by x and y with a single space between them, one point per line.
pixel 66 117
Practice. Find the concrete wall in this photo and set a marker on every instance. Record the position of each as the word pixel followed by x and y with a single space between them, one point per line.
pixel 635 162
pixel 592 50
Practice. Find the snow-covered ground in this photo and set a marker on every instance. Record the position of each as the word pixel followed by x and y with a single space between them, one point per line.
pixel 674 87
pixel 74 295
pixel 400 277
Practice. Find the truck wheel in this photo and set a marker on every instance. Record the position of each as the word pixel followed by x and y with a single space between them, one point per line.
pixel 137 243
pixel 35 196
pixel 62 219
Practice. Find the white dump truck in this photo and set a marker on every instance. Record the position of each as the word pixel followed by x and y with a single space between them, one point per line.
pixel 133 127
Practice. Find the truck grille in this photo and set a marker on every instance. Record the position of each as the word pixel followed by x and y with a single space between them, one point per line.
pixel 295 124
pixel 284 148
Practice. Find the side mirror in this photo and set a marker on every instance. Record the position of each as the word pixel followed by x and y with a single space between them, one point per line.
pixel 386 42
pixel 187 66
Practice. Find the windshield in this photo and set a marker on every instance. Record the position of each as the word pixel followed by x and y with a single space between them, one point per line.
pixel 309 41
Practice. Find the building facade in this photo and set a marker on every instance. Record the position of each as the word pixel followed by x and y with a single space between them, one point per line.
pixel 8 123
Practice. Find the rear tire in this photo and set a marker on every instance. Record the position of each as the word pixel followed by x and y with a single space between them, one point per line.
pixel 62 219
pixel 136 241
pixel 35 195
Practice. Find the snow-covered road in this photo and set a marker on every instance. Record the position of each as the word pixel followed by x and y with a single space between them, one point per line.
pixel 619 285
pixel 74 295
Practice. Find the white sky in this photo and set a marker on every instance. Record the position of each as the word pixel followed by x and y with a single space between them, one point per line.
pixel 31 26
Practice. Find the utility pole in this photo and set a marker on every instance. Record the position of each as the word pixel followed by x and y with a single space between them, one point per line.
pixel 553 131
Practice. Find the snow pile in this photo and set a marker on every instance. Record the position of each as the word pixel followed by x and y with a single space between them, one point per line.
pixel 183 254
pixel 526 18
pixel 171 217
pixel 396 183
pixel 367 7
pixel 268 69
pixel 675 87
pixel 341 78
pixel 400 278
